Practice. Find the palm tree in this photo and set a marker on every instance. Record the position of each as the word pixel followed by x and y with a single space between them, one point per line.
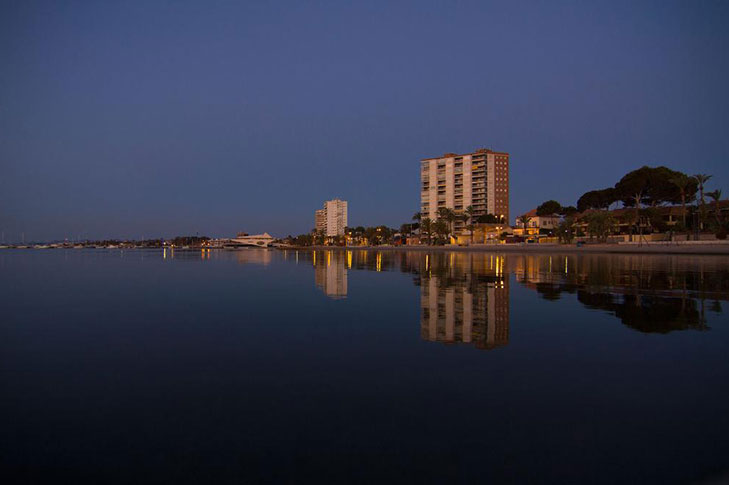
pixel 426 226
pixel 638 198
pixel 682 182
pixel 448 216
pixel 716 195
pixel 468 220
pixel 701 179
pixel 441 227
pixel 524 221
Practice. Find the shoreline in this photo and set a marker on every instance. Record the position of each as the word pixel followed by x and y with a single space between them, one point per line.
pixel 690 249
pixel 697 248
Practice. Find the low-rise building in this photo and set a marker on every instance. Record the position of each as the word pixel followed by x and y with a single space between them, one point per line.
pixel 536 224
pixel 484 233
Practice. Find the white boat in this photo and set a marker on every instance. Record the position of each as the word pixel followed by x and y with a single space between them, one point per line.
pixel 257 240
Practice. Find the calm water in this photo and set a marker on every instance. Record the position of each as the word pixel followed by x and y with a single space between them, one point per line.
pixel 232 367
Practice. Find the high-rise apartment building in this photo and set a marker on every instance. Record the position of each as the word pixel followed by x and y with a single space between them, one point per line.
pixel 320 220
pixel 479 179
pixel 332 219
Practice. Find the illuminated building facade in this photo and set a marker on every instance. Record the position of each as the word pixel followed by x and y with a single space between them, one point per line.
pixel 332 219
pixel 479 179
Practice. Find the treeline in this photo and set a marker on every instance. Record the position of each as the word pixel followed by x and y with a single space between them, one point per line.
pixel 189 240
pixel 150 243
pixel 645 190
pixel 373 236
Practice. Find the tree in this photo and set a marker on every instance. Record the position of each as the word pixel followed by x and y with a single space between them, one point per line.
pixel 566 231
pixel 596 199
pixel 468 220
pixel 417 217
pixel 600 224
pixel 716 195
pixel 440 227
pixel 548 208
pixel 683 182
pixel 426 227
pixel 655 218
pixel 524 221
pixel 701 179
pixel 406 229
pixel 653 183
pixel 637 198
pixel 319 238
pixel 568 211
pixel 448 216
pixel 487 219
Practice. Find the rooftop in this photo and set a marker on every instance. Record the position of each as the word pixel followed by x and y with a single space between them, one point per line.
pixel 480 151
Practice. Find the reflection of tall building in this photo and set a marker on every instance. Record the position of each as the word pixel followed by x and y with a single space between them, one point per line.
pixel 330 273
pixel 472 310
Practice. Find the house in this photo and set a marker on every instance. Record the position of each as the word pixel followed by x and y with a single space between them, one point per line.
pixel 537 224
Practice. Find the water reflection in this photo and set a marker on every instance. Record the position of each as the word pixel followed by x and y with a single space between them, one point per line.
pixel 330 274
pixel 254 256
pixel 464 297
pixel 652 294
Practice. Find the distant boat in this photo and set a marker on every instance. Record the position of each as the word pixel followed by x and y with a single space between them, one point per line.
pixel 257 240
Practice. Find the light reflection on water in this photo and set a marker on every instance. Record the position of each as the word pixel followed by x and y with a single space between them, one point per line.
pixel 464 296
pixel 355 365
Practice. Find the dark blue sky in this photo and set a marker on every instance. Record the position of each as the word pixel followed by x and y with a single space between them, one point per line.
pixel 123 119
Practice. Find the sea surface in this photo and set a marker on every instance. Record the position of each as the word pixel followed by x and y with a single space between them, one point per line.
pixel 150 366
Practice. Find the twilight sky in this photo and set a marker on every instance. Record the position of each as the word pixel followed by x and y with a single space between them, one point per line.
pixel 131 119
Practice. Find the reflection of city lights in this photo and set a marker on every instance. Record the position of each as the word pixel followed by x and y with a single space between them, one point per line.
pixel 427 262
pixel 349 259
pixel 455 307
pixel 313 255
pixel 379 262
pixel 566 264
pixel 331 277
pixel 164 253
